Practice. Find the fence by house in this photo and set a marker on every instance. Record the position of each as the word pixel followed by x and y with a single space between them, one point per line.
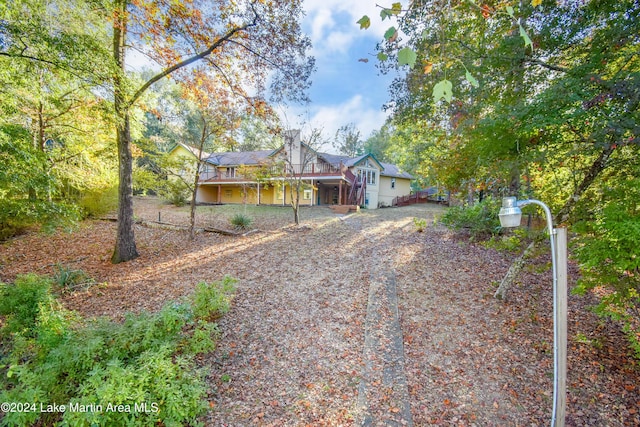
pixel 422 196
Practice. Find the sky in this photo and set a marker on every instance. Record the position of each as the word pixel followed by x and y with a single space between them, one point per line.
pixel 344 90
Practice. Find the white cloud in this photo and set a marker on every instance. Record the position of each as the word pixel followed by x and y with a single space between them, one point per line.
pixel 333 28
pixel 329 118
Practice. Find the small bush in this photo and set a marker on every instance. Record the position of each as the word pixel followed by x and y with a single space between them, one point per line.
pixel 512 242
pixel 70 280
pixel 212 300
pixel 241 221
pixel 420 224
pixel 99 202
pixel 175 192
pixel 20 302
pixel 17 216
pixel 480 219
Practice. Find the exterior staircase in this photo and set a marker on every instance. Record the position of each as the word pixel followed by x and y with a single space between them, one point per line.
pixel 358 188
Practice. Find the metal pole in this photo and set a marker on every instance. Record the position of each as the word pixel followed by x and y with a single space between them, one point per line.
pixel 561 325
pixel 559 315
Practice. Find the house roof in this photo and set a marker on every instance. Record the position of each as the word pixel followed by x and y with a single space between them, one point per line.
pixel 237 158
pixel 334 159
pixel 393 171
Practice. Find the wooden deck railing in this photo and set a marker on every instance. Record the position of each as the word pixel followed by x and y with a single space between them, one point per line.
pixel 417 197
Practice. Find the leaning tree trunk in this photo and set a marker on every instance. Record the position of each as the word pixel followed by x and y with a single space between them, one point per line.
pixel 512 273
pixel 590 176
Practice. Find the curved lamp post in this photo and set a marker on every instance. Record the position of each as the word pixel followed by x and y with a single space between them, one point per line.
pixel 510 215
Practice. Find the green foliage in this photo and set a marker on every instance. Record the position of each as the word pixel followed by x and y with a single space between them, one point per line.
pixel 241 221
pixel 407 56
pixel 70 279
pixel 50 356
pixel 420 224
pixel 175 192
pixel 443 89
pixel 365 22
pixel 212 300
pixel 99 201
pixel 20 302
pixel 25 188
pixel 347 141
pixel 512 242
pixel 481 219
pixel 607 250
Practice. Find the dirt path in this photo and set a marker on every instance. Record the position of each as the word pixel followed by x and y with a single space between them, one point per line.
pixel 321 342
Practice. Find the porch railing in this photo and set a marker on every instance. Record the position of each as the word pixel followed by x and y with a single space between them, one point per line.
pixel 287 170
pixel 308 169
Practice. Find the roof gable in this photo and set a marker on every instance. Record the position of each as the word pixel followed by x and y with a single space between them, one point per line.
pixel 191 150
pixel 363 158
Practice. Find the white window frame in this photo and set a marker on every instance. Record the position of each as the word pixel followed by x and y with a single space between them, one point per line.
pixel 368 174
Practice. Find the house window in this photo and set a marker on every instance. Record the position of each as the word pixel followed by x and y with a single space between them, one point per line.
pixel 230 173
pixel 369 175
pixel 306 195
pixel 228 193
pixel 393 183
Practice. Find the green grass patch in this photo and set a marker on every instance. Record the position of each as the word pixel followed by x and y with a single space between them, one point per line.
pixel 240 221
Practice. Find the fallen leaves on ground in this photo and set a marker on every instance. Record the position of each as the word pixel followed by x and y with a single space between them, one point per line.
pixel 291 349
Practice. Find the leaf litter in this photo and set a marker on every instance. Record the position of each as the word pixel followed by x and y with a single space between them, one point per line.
pixel 291 348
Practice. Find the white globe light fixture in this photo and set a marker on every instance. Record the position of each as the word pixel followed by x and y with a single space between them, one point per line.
pixel 510 213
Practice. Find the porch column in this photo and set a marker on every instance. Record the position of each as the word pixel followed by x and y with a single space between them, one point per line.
pixel 219 193
pixel 340 193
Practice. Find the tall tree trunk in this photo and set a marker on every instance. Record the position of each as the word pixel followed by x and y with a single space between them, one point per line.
pixel 125 249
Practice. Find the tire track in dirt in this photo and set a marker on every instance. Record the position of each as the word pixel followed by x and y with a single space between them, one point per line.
pixel 383 396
